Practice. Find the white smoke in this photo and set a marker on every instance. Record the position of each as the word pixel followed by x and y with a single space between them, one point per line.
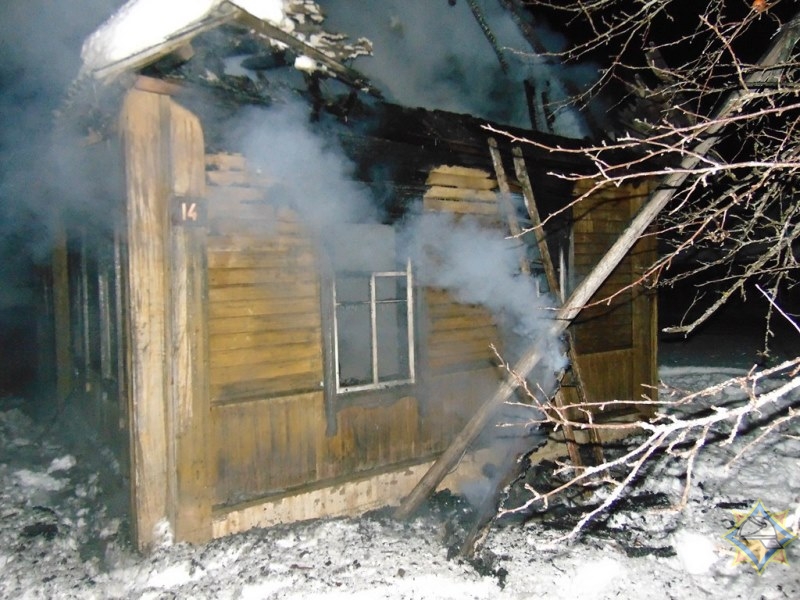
pixel 308 171
pixel 430 54
pixel 480 266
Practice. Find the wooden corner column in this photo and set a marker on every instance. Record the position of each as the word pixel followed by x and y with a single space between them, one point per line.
pixel 164 159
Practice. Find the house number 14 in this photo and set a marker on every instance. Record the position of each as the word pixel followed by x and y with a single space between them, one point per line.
pixel 189 211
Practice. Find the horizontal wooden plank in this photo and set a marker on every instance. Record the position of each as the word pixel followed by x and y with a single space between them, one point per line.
pixel 264 291
pixel 460 170
pixel 459 207
pixel 299 256
pixel 466 359
pixel 239 203
pixel 461 180
pixel 225 161
pixel 448 323
pixel 244 308
pixel 248 227
pixel 223 277
pixel 489 334
pixel 253 339
pixel 236 240
pixel 463 348
pixel 226 196
pixel 446 310
pixel 465 195
pixel 263 323
pixel 264 389
pixel 493 222
pixel 438 295
pixel 220 376
pixel 231 215
pixel 261 354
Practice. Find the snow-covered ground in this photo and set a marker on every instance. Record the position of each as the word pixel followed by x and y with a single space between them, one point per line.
pixel 61 536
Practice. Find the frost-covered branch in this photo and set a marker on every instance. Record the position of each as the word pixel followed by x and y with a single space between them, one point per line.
pixel 685 423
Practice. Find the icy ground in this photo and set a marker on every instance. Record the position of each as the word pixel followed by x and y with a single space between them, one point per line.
pixel 59 538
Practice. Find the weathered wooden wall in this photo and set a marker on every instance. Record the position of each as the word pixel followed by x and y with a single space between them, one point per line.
pixel 266 365
pixel 461 365
pixel 615 334
pixel 88 306
pixel 266 358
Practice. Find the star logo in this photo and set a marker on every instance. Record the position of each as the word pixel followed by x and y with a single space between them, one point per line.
pixel 760 537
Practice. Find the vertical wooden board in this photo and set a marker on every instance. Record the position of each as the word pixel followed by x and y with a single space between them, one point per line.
pixel 608 375
pixel 188 400
pixel 61 316
pixel 267 446
pixel 644 317
pixel 147 185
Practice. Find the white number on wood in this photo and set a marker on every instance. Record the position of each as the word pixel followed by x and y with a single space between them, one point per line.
pixel 189 211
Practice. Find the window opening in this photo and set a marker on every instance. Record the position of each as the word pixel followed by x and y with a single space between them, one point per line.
pixel 373 329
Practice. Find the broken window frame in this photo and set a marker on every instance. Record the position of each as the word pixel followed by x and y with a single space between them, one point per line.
pixel 374 302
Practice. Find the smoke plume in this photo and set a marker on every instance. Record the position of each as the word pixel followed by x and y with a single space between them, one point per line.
pixel 431 54
pixel 309 172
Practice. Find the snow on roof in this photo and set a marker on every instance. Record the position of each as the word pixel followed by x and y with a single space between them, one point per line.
pixel 144 25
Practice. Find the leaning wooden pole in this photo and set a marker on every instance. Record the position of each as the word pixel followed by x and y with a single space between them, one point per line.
pixel 777 53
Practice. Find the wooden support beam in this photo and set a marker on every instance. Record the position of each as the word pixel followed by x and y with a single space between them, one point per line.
pixel 779 50
pixel 512 463
pixel 346 74
pixel 504 200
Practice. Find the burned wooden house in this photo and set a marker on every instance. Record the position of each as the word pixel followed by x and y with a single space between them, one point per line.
pixel 250 374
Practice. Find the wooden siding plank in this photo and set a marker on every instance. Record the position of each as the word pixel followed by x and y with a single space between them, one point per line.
pixel 299 256
pixel 265 370
pixel 461 180
pixel 266 306
pixel 263 323
pixel 459 207
pixel 460 170
pixel 264 291
pixel 464 195
pixel 226 161
pixel 254 339
pixel 228 277
pixel 267 388
pixel 260 354
pixel 461 322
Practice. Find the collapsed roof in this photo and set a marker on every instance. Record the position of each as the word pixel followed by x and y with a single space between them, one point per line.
pixel 143 31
